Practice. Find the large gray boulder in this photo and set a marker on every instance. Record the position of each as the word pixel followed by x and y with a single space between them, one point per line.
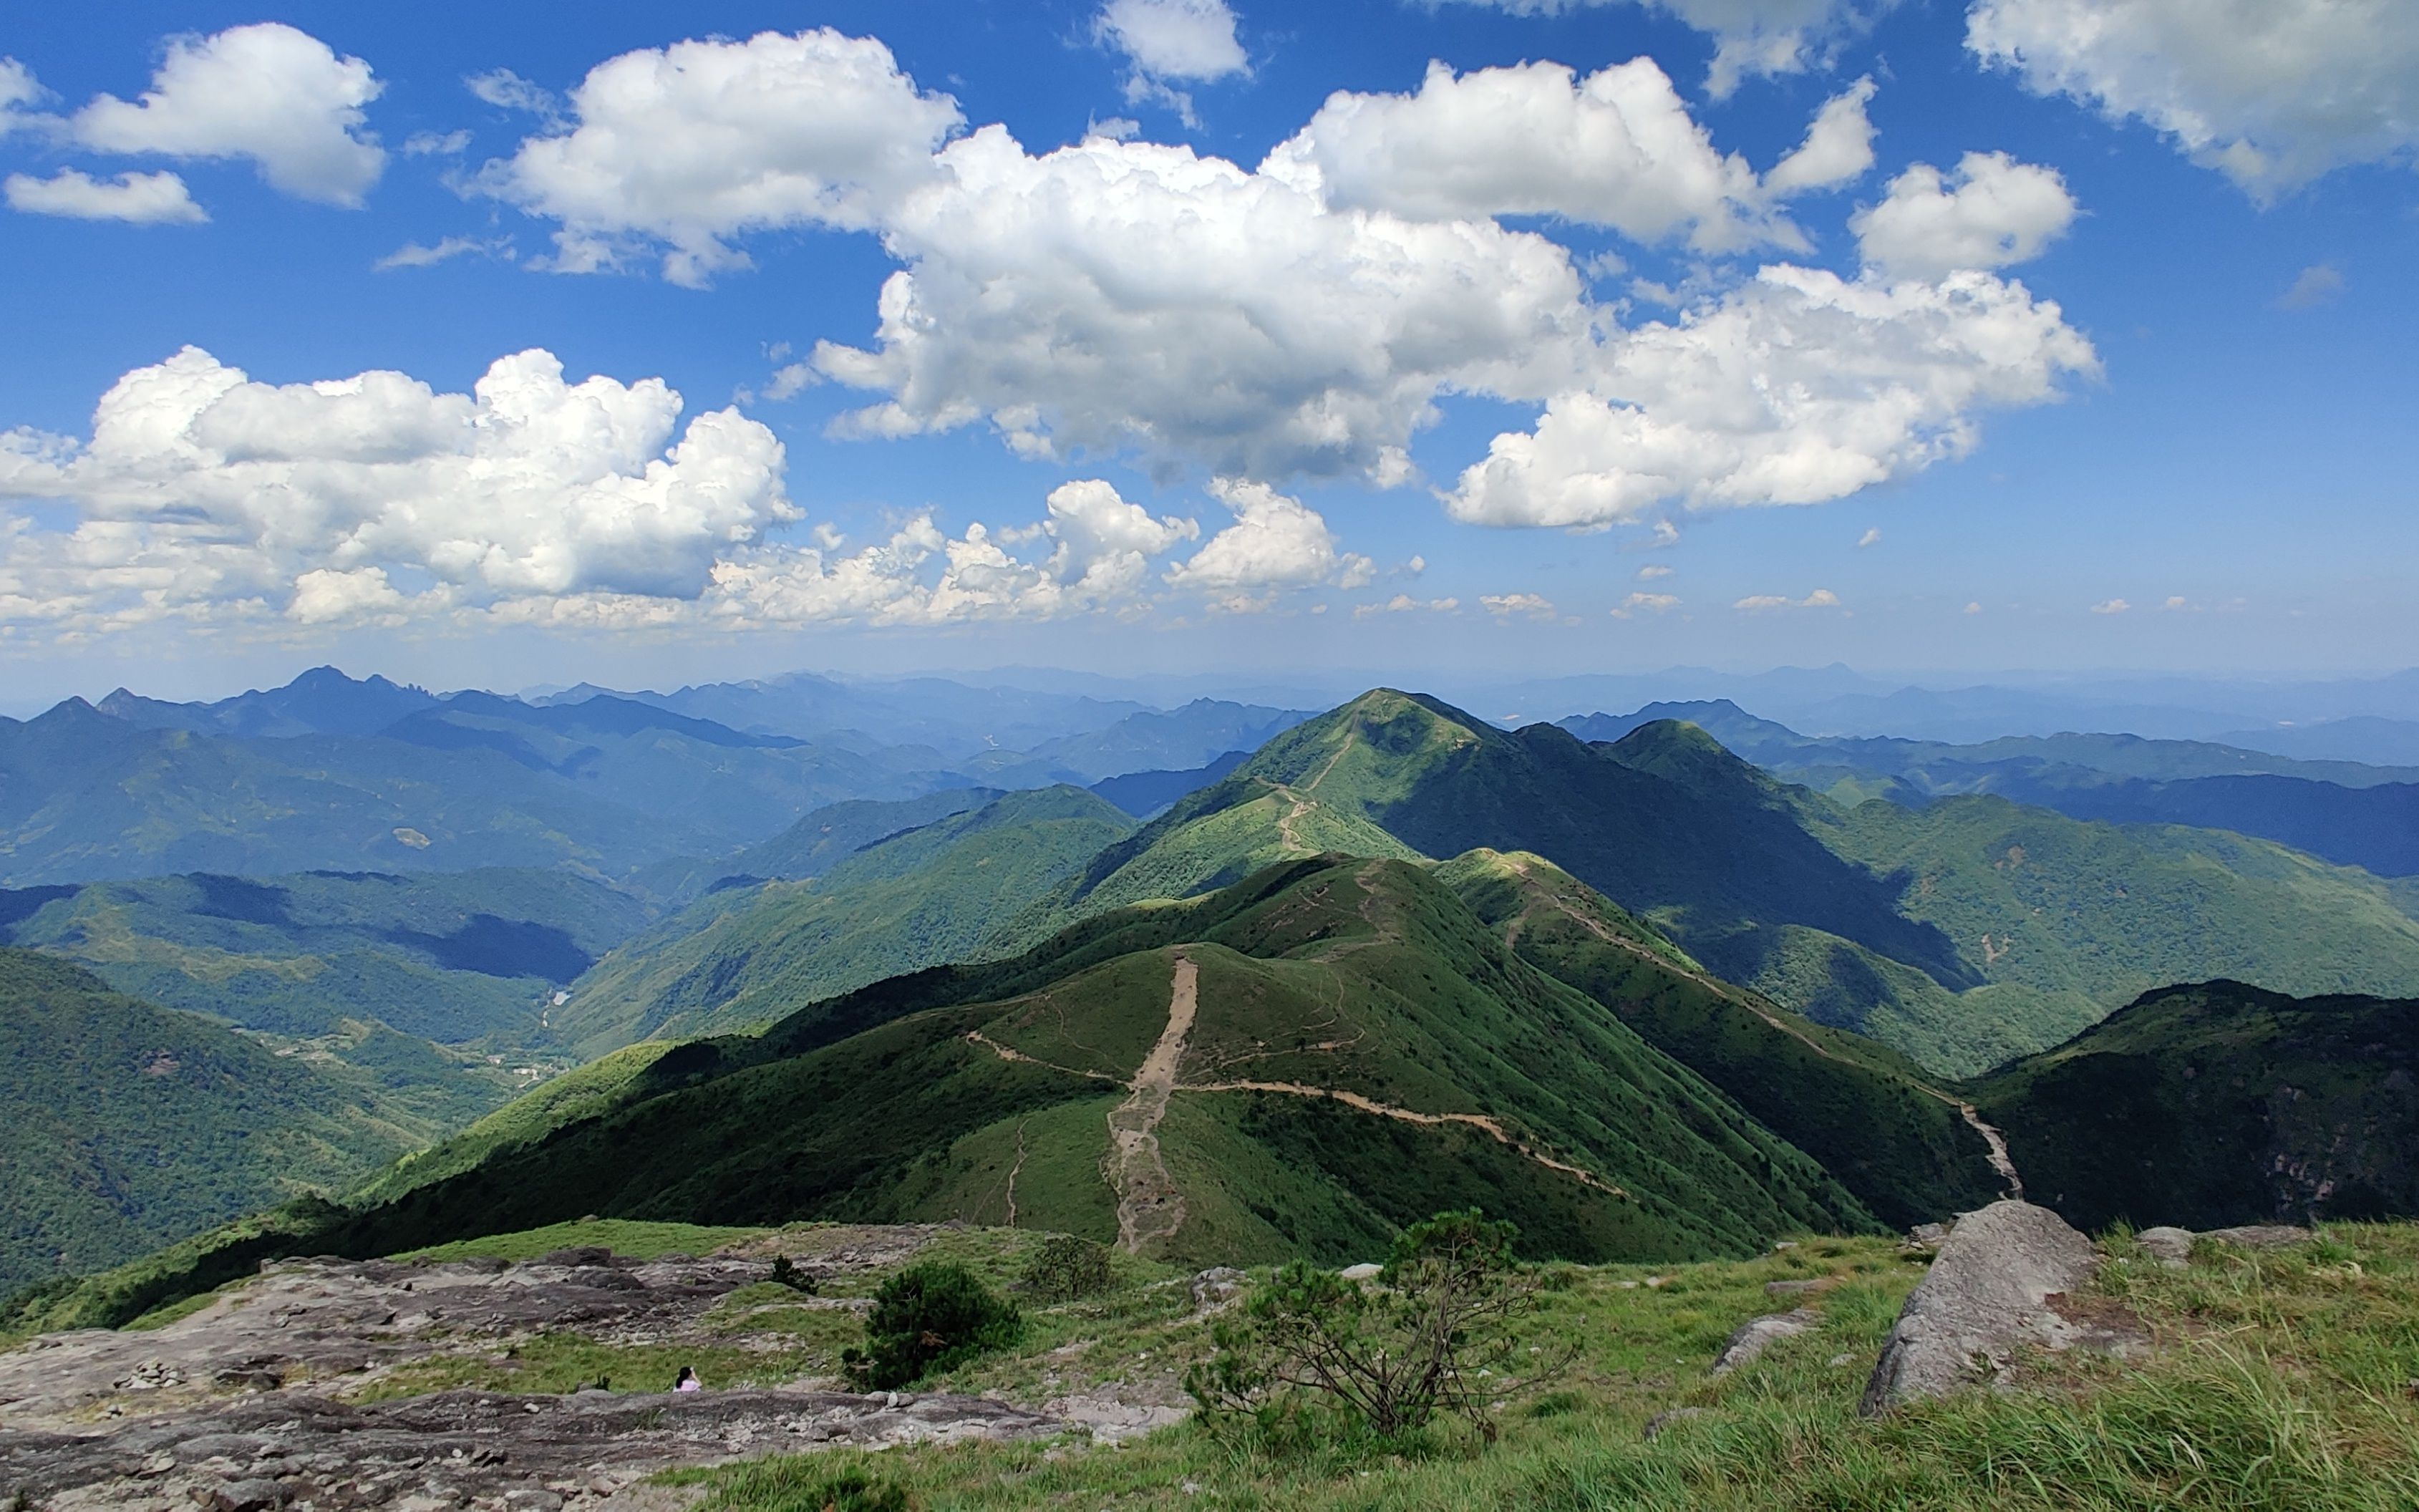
pixel 1986 1296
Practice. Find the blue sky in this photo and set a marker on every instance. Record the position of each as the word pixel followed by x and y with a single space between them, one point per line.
pixel 1137 412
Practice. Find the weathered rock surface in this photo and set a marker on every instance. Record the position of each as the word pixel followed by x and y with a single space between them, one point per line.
pixel 1216 1288
pixel 238 1405
pixel 457 1449
pixel 1987 1295
pixel 1757 1335
pixel 2172 1247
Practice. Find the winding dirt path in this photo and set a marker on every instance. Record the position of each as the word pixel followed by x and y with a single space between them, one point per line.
pixel 1148 1206
pixel 1994 1142
pixel 1012 1172
pixel 1386 1110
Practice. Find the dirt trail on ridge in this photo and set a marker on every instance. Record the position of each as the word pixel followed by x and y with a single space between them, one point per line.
pixel 1148 1206
pixel 1995 1142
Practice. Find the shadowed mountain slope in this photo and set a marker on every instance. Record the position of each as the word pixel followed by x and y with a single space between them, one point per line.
pixel 1898 1138
pixel 450 956
pixel 2343 811
pixel 2215 1105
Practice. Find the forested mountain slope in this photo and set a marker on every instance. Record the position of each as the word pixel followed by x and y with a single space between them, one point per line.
pixel 124 1126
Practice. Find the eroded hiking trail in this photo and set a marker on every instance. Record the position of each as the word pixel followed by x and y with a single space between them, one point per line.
pixel 1993 1141
pixel 1386 1110
pixel 1302 804
pixel 1148 1206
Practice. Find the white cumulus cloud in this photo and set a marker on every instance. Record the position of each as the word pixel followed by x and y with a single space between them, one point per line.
pixel 1993 211
pixel 266 92
pixel 416 255
pixel 1797 388
pixel 1617 148
pixel 2111 606
pixel 1838 145
pixel 143 198
pixel 18 90
pixel 1646 604
pixel 2312 286
pixel 1276 542
pixel 202 489
pixel 1505 606
pixel 1406 604
pixel 682 148
pixel 1753 37
pixel 2272 93
pixel 1126 295
pixel 1193 40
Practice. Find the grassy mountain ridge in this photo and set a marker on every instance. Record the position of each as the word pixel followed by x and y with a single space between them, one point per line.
pixel 944 889
pixel 1113 997
pixel 1871 917
pixel 1874 1117
pixel 1363 1050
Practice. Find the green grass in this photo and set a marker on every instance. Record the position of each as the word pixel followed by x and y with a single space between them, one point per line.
pixel 562 1362
pixel 2279 1383
pixel 634 1241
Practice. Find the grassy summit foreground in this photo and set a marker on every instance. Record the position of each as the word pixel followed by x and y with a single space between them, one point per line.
pixel 2276 1379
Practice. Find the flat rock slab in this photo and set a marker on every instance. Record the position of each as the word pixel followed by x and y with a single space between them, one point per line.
pixel 1751 1338
pixel 2172 1247
pixel 326 1320
pixel 455 1448
pixel 1986 1296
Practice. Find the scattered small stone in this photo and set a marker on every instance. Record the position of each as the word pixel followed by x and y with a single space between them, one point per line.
pixel 246 1496
pixel 1216 1286
pixel 1655 1425
pixel 1757 1335
pixel 2170 1246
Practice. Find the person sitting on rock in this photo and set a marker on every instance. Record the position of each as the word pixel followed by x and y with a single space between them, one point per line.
pixel 688 1381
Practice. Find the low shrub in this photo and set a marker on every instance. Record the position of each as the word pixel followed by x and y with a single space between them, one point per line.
pixel 1067 1269
pixel 1433 1335
pixel 928 1318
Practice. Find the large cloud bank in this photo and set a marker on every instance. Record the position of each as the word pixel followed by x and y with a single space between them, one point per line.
pixel 1303 318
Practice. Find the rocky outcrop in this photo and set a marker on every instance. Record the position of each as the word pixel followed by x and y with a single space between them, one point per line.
pixel 254 1402
pixel 1986 1296
pixel 462 1449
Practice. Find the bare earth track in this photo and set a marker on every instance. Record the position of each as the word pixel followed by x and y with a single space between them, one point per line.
pixel 1148 1206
